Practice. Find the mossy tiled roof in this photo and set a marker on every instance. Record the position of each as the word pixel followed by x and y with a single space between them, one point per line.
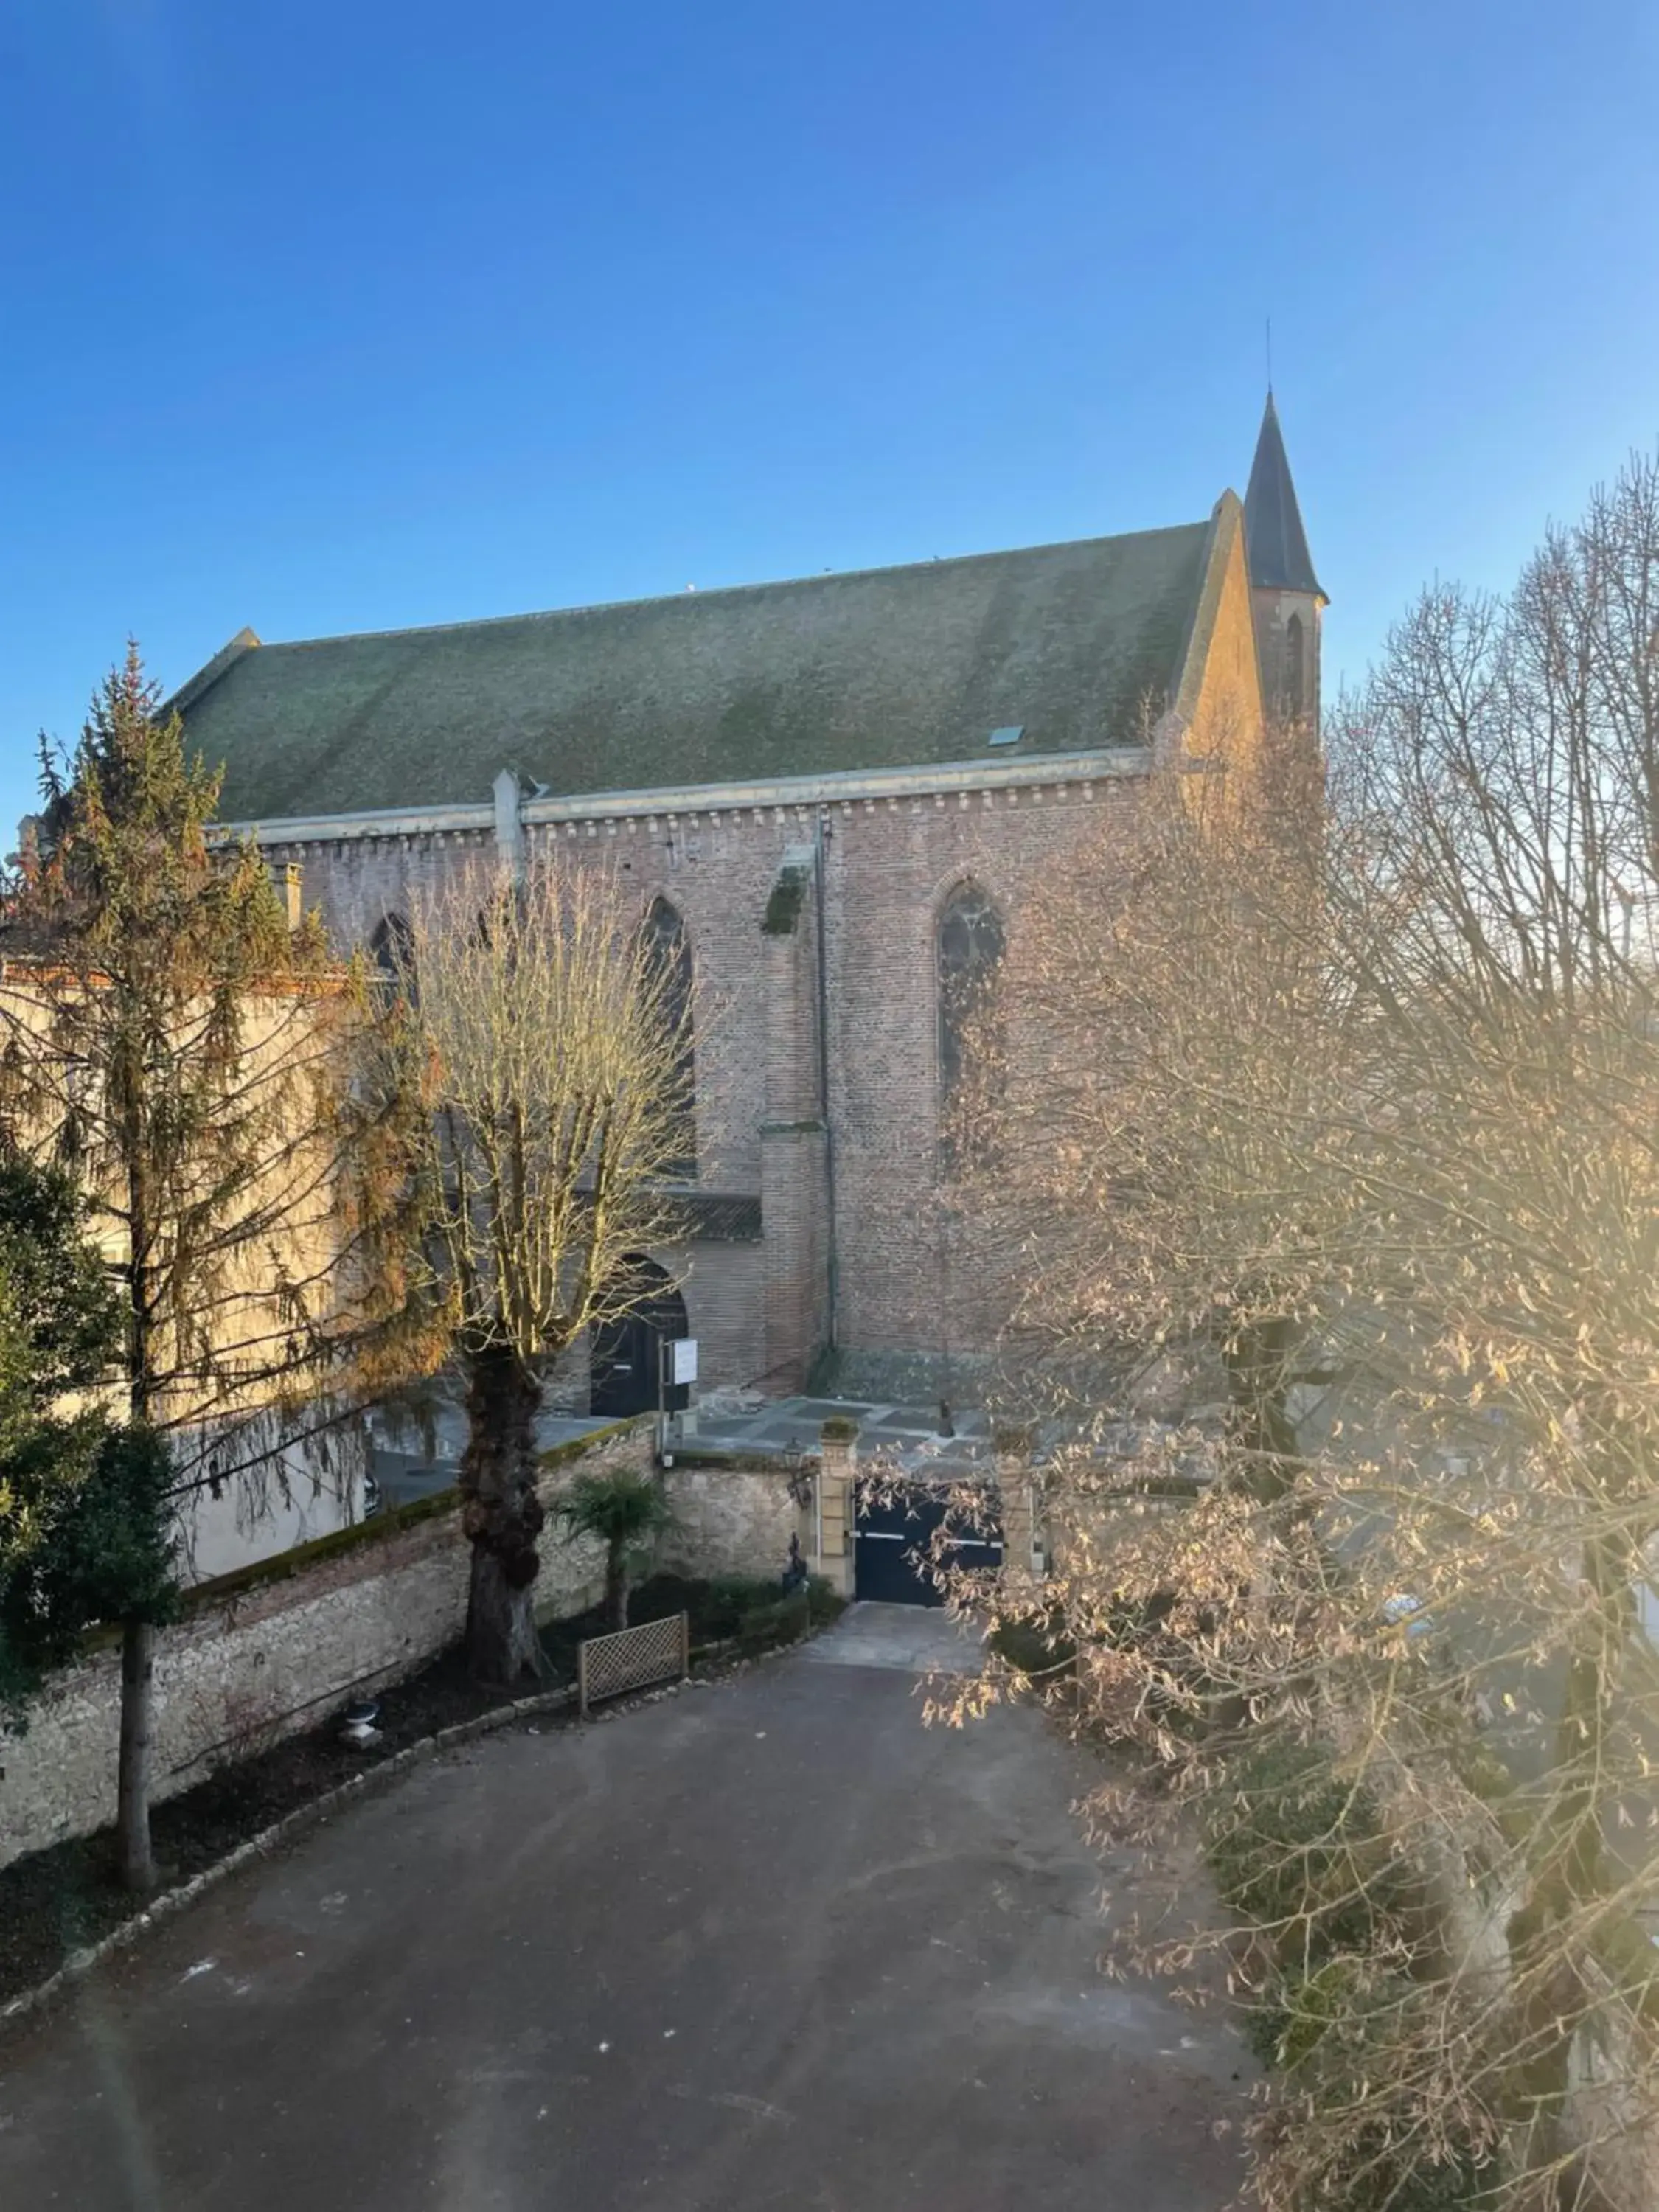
pixel 881 668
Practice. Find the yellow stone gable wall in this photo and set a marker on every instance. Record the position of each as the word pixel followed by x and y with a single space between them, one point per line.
pixel 1219 696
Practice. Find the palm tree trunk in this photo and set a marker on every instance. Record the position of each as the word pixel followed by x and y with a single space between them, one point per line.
pixel 616 1585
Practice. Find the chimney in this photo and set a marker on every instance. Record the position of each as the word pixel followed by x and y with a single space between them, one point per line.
pixel 288 883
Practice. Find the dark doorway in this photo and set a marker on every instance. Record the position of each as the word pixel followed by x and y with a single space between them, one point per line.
pixel 622 1367
pixel 893 1558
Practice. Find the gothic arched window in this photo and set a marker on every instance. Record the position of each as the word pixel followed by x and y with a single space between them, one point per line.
pixel 391 952
pixel 669 951
pixel 969 952
pixel 1295 694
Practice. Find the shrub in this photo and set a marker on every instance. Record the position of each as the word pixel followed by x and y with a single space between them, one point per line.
pixel 1039 1649
pixel 824 1602
pixel 728 1600
pixel 1300 1852
pixel 782 1621
pixel 1332 2032
pixel 755 1613
pixel 748 1610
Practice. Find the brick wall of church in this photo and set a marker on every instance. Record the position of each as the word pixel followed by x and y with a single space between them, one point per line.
pixel 717 871
pixel 724 1287
pixel 914 1277
pixel 913 1280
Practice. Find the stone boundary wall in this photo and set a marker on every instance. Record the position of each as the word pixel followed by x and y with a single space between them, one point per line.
pixel 273 1648
pixel 730 1519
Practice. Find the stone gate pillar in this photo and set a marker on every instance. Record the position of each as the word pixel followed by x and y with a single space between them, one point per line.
pixel 1012 1443
pixel 836 1504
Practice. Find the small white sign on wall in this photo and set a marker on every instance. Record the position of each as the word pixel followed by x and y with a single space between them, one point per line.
pixel 685 1350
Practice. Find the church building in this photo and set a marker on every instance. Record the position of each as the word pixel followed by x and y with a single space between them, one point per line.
pixel 829 798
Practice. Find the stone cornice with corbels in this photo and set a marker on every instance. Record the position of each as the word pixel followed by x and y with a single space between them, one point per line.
pixel 777 799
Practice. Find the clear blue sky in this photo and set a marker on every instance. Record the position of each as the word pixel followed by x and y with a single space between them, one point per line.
pixel 339 314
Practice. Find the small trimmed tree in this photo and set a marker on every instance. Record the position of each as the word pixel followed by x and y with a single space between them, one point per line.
pixel 102 1546
pixel 85 1526
pixel 623 1509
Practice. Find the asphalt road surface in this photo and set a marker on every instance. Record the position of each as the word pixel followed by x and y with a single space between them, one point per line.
pixel 766 1943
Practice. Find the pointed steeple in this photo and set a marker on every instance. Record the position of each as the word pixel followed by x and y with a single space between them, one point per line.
pixel 1273 535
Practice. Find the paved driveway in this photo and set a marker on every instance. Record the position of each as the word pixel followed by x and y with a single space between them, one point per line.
pixel 769 1943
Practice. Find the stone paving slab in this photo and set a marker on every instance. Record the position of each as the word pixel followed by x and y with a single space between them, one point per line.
pixel 909 1434
pixel 909 1639
pixel 826 1409
pixel 923 1422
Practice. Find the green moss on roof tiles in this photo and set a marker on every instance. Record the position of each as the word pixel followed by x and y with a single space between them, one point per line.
pixel 881 668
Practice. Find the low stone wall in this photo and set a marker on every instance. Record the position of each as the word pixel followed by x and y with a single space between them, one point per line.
pixel 270 1651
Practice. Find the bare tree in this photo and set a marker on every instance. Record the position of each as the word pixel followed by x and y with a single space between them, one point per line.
pixel 1163 1033
pixel 555 1044
pixel 1372 1109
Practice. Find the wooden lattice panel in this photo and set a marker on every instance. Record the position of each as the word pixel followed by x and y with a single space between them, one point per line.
pixel 655 1651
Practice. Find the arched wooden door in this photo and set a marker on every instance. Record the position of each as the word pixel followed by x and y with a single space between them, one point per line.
pixel 624 1362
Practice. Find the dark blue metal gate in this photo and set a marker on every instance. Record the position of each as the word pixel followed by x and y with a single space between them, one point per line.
pixel 894 1537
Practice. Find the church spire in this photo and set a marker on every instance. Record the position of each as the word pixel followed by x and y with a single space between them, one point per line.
pixel 1273 535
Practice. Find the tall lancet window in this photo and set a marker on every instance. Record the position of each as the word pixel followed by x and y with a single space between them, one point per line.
pixel 670 951
pixel 969 952
pixel 1296 695
pixel 391 955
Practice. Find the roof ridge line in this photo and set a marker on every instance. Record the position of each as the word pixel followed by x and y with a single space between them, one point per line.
pixel 729 590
